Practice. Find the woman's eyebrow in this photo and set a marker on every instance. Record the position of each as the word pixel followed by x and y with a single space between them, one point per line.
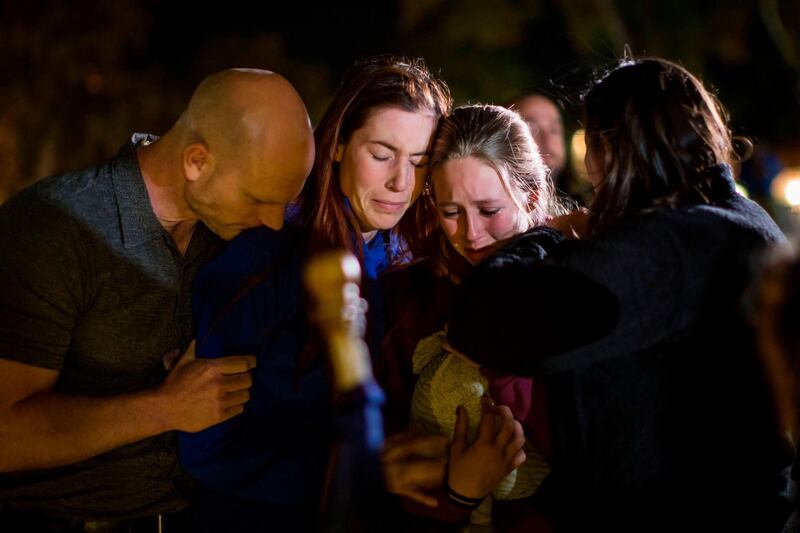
pixel 395 149
pixel 384 144
pixel 482 203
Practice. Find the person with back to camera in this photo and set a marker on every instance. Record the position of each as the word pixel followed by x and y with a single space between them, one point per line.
pixel 95 275
pixel 660 413
pixel 264 471
pixel 488 184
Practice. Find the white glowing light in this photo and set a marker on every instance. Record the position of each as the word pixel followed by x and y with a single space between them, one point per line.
pixel 792 192
pixel 785 187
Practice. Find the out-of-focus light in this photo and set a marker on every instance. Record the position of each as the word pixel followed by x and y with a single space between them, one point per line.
pixel 785 187
pixel 741 189
pixel 793 192
pixel 578 152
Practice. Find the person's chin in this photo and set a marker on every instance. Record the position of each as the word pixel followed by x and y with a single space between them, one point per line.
pixel 226 233
pixel 555 167
pixel 229 235
pixel 471 259
pixel 384 221
pixel 476 256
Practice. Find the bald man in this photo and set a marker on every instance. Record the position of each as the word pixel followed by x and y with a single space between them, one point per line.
pixel 96 269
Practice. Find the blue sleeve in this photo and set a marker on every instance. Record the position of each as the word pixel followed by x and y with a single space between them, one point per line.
pixel 248 301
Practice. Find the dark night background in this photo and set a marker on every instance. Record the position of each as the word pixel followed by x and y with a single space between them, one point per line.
pixel 76 78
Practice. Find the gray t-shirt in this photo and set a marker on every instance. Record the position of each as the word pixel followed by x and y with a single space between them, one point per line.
pixel 93 286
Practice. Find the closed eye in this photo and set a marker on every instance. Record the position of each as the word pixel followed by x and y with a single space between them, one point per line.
pixel 377 157
pixel 490 212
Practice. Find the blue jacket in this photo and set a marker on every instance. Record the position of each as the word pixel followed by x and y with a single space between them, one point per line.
pixel 249 300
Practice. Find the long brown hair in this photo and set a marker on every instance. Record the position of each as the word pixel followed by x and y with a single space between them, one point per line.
pixel 369 85
pixel 662 137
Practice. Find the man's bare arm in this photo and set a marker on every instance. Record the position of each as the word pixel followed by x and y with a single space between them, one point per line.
pixel 40 428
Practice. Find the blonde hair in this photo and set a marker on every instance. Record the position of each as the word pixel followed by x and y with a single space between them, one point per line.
pixel 500 138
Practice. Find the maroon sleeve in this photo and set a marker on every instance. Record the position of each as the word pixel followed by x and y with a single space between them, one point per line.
pixel 528 403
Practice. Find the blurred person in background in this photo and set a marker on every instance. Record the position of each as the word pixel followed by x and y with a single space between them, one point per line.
pixel 547 127
pixel 775 310
pixel 544 117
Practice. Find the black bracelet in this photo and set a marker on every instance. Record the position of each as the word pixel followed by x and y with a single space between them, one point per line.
pixel 460 499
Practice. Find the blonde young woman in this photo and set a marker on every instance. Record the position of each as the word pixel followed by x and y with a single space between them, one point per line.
pixel 488 184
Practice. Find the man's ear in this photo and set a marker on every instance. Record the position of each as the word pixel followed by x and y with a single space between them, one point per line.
pixel 197 161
